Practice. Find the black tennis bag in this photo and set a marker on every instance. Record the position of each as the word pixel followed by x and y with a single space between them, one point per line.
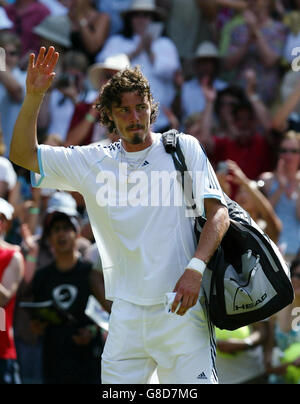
pixel 247 279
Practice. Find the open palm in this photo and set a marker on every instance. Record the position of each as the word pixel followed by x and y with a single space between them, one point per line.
pixel 40 73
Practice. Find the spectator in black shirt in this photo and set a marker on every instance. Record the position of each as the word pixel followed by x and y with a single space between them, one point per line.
pixel 71 348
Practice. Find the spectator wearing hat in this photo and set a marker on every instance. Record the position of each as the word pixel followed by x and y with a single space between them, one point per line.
pixel 157 55
pixel 84 128
pixel 71 348
pixel 11 274
pixel 206 67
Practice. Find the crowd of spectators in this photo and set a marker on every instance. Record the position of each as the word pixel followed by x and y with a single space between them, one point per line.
pixel 224 71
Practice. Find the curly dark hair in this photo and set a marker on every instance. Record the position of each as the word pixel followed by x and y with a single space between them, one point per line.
pixel 126 81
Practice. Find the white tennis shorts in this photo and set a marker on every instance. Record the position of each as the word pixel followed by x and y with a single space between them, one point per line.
pixel 143 339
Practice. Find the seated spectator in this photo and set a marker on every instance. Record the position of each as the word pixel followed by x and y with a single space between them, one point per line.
pixel 84 128
pixel 281 186
pixel 25 15
pixel 206 67
pixel 157 55
pixel 284 334
pixel 89 28
pixel 12 85
pixel 257 44
pixel 11 274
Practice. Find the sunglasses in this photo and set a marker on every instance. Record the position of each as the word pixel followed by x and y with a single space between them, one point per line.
pixel 293 151
pixel 12 53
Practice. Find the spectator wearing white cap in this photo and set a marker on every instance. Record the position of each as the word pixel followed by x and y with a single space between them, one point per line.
pixel 145 46
pixel 11 274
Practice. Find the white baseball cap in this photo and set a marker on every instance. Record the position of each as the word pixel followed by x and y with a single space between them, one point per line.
pixel 62 202
pixel 6 209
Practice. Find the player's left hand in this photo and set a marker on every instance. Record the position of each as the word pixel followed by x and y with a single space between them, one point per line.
pixel 187 288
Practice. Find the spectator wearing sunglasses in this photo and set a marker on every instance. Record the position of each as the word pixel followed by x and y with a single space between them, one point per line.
pixel 283 190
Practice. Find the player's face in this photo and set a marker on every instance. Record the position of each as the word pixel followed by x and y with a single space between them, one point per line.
pixel 132 120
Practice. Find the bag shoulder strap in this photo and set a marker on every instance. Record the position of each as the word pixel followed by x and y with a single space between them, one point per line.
pixel 172 146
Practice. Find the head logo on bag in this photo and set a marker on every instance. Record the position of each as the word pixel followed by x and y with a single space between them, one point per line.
pixel 247 279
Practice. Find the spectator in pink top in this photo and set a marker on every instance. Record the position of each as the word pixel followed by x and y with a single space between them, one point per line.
pixel 25 15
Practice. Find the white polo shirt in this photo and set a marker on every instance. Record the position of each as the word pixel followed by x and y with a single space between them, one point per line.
pixel 139 220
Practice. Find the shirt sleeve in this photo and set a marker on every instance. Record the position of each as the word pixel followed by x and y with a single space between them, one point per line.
pixel 204 179
pixel 61 168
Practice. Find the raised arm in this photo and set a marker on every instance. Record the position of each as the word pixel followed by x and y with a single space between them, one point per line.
pixel 40 74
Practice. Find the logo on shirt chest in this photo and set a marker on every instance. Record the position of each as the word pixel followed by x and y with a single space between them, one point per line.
pixel 65 295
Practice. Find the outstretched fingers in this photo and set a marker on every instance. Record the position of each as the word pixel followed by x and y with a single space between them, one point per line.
pixel 41 56
pixel 48 57
pixel 46 61
pixel 52 62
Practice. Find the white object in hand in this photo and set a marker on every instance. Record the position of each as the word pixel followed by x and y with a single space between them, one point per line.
pixel 169 299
